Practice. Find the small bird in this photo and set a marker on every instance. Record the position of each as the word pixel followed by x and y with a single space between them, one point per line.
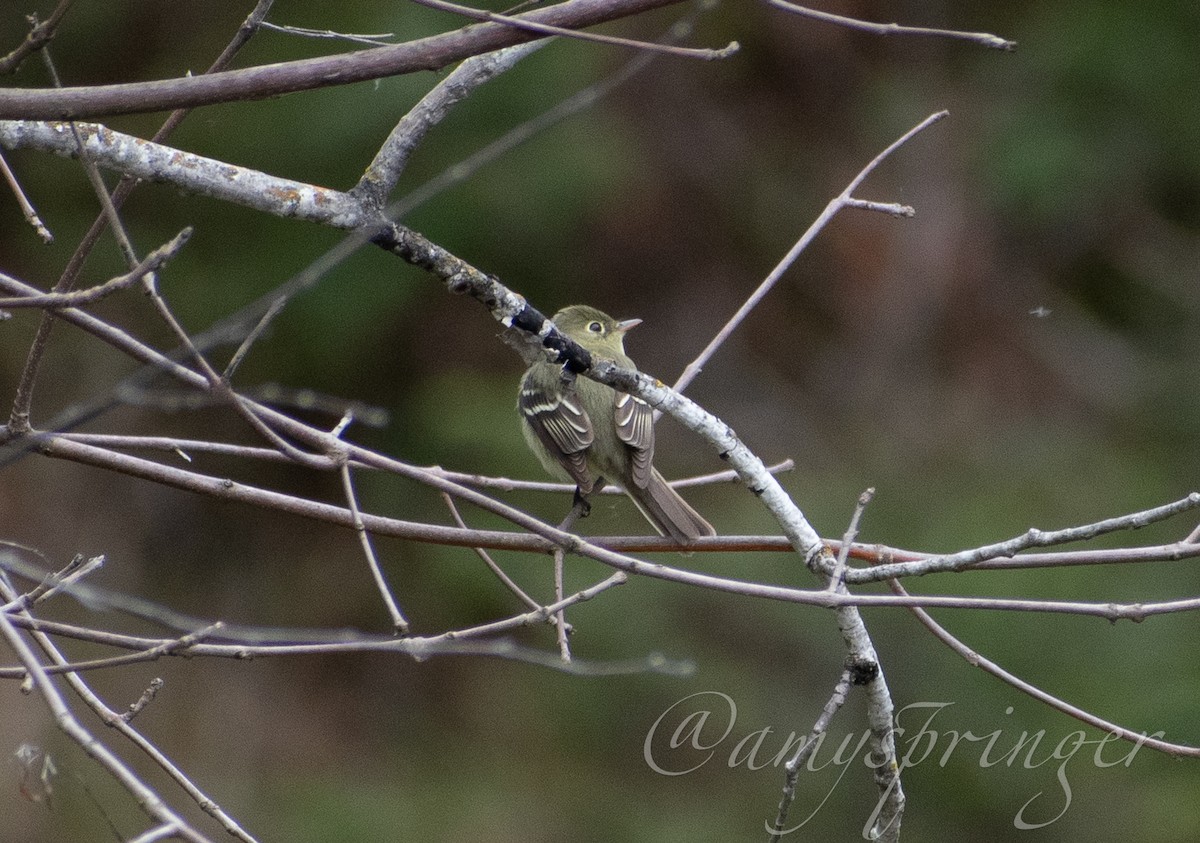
pixel 594 434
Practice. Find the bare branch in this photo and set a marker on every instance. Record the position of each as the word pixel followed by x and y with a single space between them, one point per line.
pixel 1032 538
pixel 38 37
pixel 547 538
pixel 31 214
pixel 399 623
pixel 560 617
pixel 546 29
pixel 991 667
pixel 539 615
pixel 837 699
pixel 430 53
pixel 508 484
pixel 150 161
pixel 19 416
pixel 862 663
pixel 892 209
pixel 144 700
pixel 504 578
pixel 72 573
pixel 173 646
pixel 146 798
pixel 983 38
pixel 374 39
pixel 381 176
pixel 838 574
pixel 151 263
pixel 844 199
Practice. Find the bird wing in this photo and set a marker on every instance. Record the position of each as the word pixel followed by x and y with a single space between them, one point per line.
pixel 635 427
pixel 561 424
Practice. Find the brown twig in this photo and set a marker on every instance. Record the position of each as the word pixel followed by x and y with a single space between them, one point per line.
pixel 422 54
pixel 39 36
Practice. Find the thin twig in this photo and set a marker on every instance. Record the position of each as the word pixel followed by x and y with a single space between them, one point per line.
pixel 452 643
pixel 792 767
pixel 1031 538
pixel 842 200
pixel 151 263
pixel 837 575
pixel 19 416
pixel 564 644
pixel 68 577
pixel 144 700
pixel 146 798
pixel 504 578
pixel 537 616
pixel 173 646
pixel 221 387
pixel 988 666
pixel 372 39
pixel 578 510
pixel 364 538
pixel 389 163
pixel 548 29
pixel 892 209
pixel 510 485
pixel 184 447
pixel 31 214
pixel 983 38
pixel 38 37
pixel 107 206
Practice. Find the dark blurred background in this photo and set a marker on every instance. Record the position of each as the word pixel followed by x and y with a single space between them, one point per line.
pixel 1021 353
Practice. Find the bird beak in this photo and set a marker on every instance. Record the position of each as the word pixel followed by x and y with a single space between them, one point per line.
pixel 625 325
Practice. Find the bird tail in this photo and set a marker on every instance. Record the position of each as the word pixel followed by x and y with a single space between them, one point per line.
pixel 670 514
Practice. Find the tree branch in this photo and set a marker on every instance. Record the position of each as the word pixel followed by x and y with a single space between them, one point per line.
pixel 432 53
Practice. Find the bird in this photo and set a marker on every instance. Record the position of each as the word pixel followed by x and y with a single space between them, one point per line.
pixel 593 434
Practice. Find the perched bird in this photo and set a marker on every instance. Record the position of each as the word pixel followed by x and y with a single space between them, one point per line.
pixel 593 434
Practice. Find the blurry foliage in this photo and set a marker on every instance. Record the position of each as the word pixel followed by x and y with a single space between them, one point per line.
pixel 901 355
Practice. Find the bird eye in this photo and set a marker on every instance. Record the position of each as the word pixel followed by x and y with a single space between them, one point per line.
pixel 595 327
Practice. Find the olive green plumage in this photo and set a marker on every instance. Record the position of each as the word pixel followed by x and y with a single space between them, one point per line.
pixel 595 434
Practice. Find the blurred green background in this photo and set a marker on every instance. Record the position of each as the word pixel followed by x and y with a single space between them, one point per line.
pixel 1023 352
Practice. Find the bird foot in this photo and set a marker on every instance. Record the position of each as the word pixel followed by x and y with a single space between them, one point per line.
pixel 582 505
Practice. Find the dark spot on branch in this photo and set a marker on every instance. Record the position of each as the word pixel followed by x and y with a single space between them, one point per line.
pixel 529 320
pixel 862 671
